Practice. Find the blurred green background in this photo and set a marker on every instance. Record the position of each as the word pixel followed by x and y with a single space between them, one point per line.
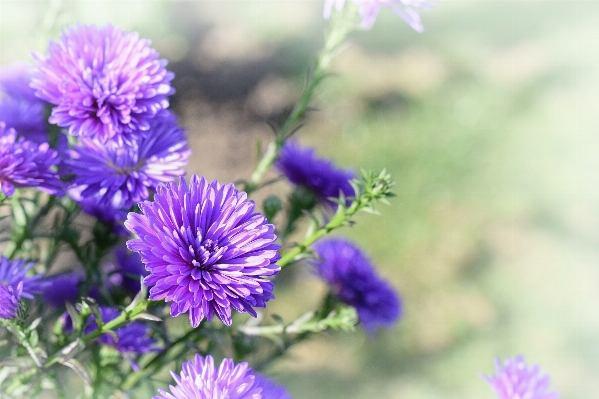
pixel 488 121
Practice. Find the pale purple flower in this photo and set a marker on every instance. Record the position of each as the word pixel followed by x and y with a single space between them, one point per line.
pixel 14 273
pixel 26 164
pixel 106 83
pixel 116 175
pixel 354 281
pixel 303 167
pixel 200 379
pixel 9 301
pixel 516 380
pixel 206 249
pixel 369 10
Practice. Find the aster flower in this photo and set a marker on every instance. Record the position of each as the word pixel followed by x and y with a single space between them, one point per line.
pixel 119 175
pixel 9 301
pixel 302 167
pixel 206 249
pixel 133 338
pixel 515 380
pixel 354 281
pixel 199 379
pixel 369 10
pixel 26 164
pixel 106 83
pixel 65 287
pixel 13 274
pixel 132 269
pixel 15 80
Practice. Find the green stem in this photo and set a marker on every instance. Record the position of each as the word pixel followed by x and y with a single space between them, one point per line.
pixel 340 28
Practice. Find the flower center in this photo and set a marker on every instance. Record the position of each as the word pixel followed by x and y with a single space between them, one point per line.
pixel 208 254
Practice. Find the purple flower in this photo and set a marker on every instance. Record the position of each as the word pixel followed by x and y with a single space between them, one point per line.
pixel 9 301
pixel 369 10
pixel 26 164
pixel 133 338
pixel 63 288
pixel 132 269
pixel 354 281
pixel 119 175
pixel 302 167
pixel 515 380
pixel 15 80
pixel 199 379
pixel 206 249
pixel 13 273
pixel 106 83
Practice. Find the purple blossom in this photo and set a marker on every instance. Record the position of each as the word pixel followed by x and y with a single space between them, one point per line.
pixel 26 164
pixel 515 380
pixel 63 288
pixel 106 83
pixel 132 269
pixel 369 10
pixel 9 301
pixel 354 281
pixel 15 80
pixel 117 175
pixel 13 273
pixel 302 167
pixel 200 379
pixel 133 338
pixel 206 249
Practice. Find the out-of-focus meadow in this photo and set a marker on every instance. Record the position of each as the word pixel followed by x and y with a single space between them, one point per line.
pixel 488 121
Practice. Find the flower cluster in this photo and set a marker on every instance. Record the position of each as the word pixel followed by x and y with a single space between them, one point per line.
pixel 200 379
pixel 106 83
pixel 26 164
pixel 354 281
pixel 206 249
pixel 369 10
pixel 516 380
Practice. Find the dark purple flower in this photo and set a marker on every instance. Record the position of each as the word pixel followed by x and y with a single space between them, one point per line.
pixel 15 80
pixel 132 269
pixel 200 379
pixel 206 249
pixel 369 10
pixel 13 273
pixel 270 390
pixel 133 338
pixel 26 164
pixel 302 167
pixel 515 380
pixel 9 301
pixel 63 288
pixel 355 282
pixel 106 83
pixel 117 175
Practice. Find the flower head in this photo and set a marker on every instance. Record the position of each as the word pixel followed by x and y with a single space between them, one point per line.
pixel 200 379
pixel 132 269
pixel 369 10
pixel 106 83
pixel 302 167
pixel 133 338
pixel 65 287
pixel 13 273
pixel 118 175
pixel 205 248
pixel 515 380
pixel 9 301
pixel 26 164
pixel 354 281
pixel 15 80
